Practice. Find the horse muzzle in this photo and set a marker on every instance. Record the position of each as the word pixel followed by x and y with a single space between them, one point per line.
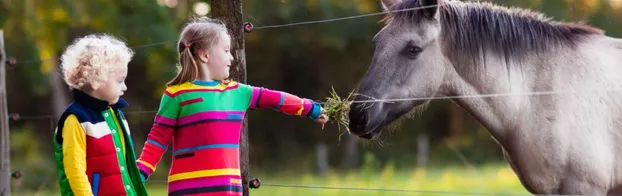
pixel 361 124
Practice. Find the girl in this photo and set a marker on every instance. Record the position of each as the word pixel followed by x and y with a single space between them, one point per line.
pixel 92 143
pixel 203 114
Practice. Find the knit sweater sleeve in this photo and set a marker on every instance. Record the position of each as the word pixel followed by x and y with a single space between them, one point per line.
pixel 160 135
pixel 284 102
pixel 74 156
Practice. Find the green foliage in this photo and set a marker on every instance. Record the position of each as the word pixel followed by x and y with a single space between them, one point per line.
pixel 449 180
pixel 36 165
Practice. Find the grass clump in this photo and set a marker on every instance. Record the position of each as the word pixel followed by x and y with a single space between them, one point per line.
pixel 337 109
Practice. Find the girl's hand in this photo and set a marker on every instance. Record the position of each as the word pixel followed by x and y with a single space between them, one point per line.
pixel 323 119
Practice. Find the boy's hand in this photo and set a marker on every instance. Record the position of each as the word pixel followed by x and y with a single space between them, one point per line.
pixel 323 119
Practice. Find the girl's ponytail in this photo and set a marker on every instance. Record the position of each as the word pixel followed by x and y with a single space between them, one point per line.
pixel 197 35
pixel 188 68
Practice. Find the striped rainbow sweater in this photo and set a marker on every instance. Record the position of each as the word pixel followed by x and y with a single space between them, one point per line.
pixel 203 121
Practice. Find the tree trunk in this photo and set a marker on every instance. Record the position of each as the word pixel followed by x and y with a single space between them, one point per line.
pixel 456 121
pixel 230 11
pixel 321 154
pixel 4 127
pixel 423 148
pixel 60 97
pixel 350 151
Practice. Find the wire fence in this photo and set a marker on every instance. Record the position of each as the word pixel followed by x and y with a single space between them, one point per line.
pixel 12 62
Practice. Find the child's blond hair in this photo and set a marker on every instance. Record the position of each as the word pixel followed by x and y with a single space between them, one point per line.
pixel 88 61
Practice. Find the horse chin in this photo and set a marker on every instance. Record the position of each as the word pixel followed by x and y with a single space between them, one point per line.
pixel 370 136
pixel 375 132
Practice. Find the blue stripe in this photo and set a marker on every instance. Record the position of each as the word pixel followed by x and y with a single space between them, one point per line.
pixel 206 147
pixel 234 116
pixel 157 144
pixel 315 111
pixel 95 184
pixel 281 102
pixel 206 83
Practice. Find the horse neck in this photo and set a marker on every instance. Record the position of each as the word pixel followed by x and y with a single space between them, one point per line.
pixel 486 91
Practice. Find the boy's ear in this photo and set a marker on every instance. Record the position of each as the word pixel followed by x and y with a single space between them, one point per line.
pixel 203 55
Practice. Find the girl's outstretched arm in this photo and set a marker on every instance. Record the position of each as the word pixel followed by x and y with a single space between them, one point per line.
pixel 284 102
pixel 160 135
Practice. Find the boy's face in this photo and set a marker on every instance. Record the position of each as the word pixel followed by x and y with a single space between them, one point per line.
pixel 114 87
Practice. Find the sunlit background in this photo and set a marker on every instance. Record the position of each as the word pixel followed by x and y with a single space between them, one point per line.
pixel 441 149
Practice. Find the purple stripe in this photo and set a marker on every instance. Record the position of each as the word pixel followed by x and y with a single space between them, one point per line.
pixel 208 115
pixel 201 182
pixel 145 169
pixel 308 106
pixel 165 120
pixel 254 98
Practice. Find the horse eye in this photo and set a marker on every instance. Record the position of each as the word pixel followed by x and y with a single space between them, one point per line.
pixel 411 51
pixel 414 50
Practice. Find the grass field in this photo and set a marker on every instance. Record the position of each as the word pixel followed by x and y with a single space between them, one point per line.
pixel 488 180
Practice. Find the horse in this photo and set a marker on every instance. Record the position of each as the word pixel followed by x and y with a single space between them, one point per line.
pixel 555 143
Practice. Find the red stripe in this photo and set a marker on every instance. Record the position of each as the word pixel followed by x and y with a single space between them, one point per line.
pixel 214 158
pixel 207 133
pixel 168 93
pixel 291 104
pixel 195 100
pixel 269 98
pixel 202 182
pixel 223 193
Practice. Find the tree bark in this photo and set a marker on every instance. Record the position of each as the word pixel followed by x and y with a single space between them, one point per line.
pixel 230 11
pixel 4 127
pixel 60 95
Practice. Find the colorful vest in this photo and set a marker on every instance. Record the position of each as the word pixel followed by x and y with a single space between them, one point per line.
pixel 110 172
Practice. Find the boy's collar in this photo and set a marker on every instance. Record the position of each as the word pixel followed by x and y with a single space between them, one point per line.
pixel 91 102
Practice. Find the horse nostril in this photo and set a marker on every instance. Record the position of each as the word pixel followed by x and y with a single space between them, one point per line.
pixel 358 121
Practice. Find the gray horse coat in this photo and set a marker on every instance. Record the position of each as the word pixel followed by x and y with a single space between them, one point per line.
pixel 556 143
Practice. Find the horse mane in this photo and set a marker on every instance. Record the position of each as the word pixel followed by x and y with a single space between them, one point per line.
pixel 473 27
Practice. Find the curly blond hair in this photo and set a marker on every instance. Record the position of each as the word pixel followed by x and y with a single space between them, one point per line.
pixel 89 60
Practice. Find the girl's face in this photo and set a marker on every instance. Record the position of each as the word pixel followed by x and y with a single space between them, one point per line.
pixel 220 58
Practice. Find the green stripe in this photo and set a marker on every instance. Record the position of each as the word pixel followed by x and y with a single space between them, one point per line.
pixel 121 160
pixel 169 107
pixel 231 100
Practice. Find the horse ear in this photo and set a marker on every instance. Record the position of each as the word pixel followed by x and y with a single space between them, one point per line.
pixel 387 4
pixel 430 7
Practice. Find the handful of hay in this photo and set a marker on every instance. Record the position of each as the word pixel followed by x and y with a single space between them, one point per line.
pixel 337 110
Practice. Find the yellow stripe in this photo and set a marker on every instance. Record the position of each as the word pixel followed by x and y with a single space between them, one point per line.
pixel 236 181
pixel 192 86
pixel 203 173
pixel 147 164
pixel 302 107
